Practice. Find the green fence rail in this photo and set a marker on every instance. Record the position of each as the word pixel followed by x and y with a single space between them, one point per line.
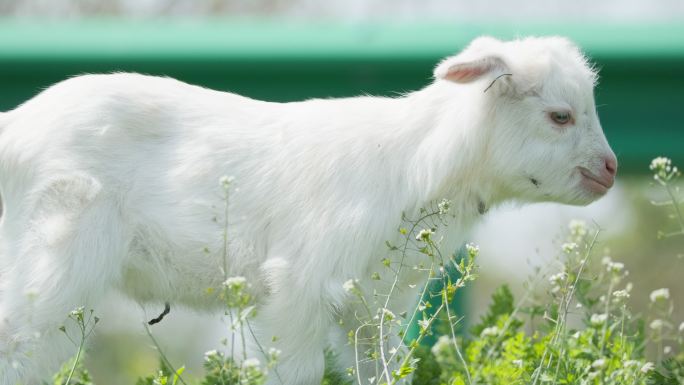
pixel 640 94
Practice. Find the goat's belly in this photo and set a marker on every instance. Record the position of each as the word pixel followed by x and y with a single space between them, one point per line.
pixel 191 274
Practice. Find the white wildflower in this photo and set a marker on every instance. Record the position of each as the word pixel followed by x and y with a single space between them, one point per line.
pixel 657 324
pixel 557 279
pixel 615 267
pixel 273 354
pixel 490 332
pixel 209 354
pixel 631 364
pixel 444 206
pixel 472 249
pixel 647 367
pixel 225 181
pixel 388 313
pixel 442 343
pixel 424 324
pixel 662 169
pixel 599 364
pixel 424 235
pixel 350 285
pixel 235 283
pixel 598 319
pixel 667 350
pixel 578 227
pixel 569 247
pixel 371 380
pixel 660 294
pixel 660 163
pixel 77 313
pixel 620 294
pixel 251 363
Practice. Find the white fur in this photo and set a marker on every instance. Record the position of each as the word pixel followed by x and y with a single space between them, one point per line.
pixel 111 181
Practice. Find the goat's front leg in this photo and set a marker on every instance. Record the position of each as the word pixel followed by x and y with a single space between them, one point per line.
pixel 296 320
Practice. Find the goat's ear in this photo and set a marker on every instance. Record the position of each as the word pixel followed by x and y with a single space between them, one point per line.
pixel 482 57
pixel 463 70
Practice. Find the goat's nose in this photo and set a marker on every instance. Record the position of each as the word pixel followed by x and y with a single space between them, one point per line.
pixel 611 165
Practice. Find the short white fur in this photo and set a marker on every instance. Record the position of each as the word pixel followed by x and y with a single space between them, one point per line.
pixel 111 182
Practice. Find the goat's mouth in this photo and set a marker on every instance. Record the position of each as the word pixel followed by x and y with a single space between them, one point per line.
pixel 595 184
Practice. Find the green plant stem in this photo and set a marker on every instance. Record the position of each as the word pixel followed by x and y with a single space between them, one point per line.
pixel 676 206
pixel 232 333
pixel 453 336
pixel 261 348
pixel 417 343
pixel 162 355
pixel 564 306
pixel 78 357
pixel 225 239
pixel 244 344
pixel 607 312
pixel 445 300
pixel 83 325
pixel 356 353
pixel 383 358
pixel 415 311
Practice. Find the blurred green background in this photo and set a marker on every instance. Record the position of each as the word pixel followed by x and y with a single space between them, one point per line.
pixel 289 50
pixel 639 96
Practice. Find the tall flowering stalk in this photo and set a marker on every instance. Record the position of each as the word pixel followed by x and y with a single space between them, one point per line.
pixel 665 175
pixel 394 364
pixel 227 369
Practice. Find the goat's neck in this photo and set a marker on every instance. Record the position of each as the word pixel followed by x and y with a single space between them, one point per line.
pixel 450 160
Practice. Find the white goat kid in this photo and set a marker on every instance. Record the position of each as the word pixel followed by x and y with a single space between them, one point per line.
pixel 111 181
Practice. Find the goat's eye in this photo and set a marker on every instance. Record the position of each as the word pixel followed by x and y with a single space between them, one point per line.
pixel 560 117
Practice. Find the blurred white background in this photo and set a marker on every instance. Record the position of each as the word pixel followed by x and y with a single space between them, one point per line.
pixel 539 10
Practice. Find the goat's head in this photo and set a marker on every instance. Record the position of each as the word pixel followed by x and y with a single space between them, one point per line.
pixel 544 141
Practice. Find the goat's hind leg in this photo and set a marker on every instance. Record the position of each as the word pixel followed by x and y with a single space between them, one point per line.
pixel 70 251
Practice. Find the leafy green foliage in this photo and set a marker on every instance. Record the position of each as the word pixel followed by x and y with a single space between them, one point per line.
pixel 603 345
pixel 502 305
pixel 429 370
pixel 672 373
pixel 220 369
pixel 156 379
pixel 80 375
